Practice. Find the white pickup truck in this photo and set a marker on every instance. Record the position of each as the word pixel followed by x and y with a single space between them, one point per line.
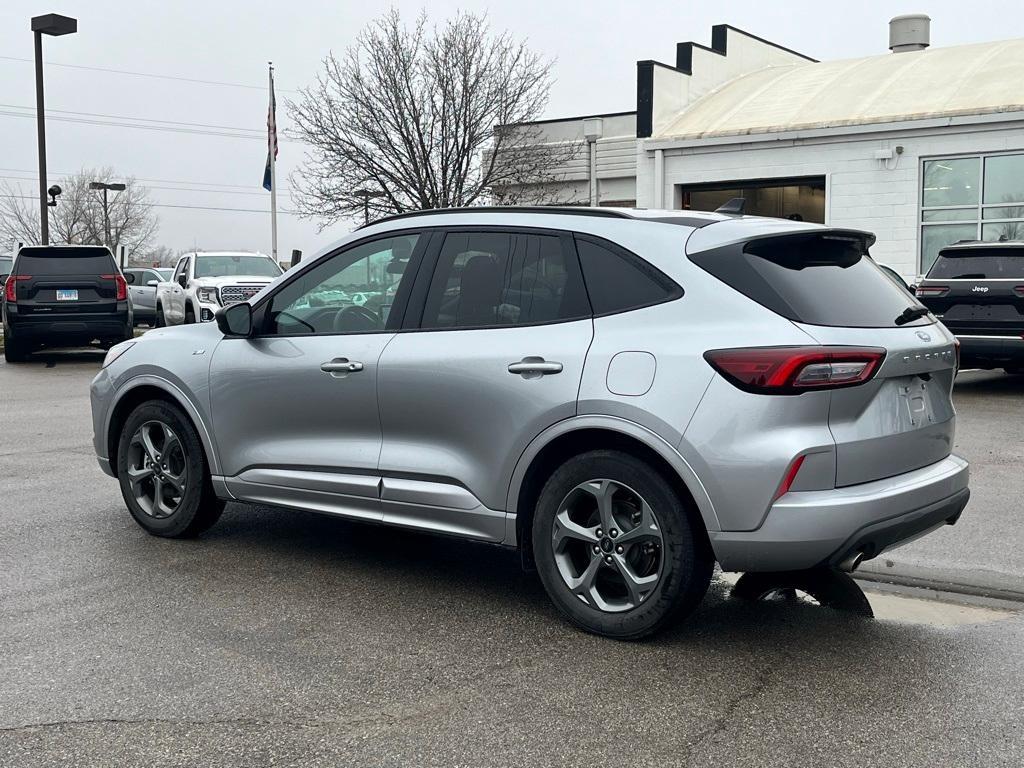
pixel 204 281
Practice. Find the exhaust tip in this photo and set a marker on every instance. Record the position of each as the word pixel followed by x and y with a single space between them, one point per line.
pixel 850 562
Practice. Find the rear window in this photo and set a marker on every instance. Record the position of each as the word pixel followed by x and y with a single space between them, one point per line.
pixel 814 278
pixel 40 262
pixel 987 263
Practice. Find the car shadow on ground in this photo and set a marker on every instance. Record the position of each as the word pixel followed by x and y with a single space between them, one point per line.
pixel 981 382
pixel 51 358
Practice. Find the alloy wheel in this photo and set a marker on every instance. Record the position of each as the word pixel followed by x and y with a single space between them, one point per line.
pixel 608 545
pixel 157 469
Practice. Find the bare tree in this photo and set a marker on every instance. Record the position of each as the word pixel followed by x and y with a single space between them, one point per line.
pixel 78 218
pixel 420 117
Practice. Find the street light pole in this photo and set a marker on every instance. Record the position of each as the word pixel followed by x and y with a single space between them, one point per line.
pixel 106 211
pixel 55 25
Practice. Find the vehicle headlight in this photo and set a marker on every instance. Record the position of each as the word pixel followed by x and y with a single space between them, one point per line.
pixel 207 295
pixel 116 351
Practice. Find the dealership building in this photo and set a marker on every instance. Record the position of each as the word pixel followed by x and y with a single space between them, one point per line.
pixel 923 146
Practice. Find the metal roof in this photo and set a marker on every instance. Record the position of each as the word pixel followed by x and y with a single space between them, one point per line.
pixel 937 82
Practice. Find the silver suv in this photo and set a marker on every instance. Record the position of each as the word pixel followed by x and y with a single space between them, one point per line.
pixel 626 397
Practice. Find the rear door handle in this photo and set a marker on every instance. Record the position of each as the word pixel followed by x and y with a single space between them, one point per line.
pixel 340 367
pixel 534 367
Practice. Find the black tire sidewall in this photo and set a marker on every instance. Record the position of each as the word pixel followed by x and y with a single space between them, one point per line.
pixel 182 521
pixel 686 567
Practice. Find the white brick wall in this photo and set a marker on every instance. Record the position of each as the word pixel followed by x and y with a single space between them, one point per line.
pixel 860 192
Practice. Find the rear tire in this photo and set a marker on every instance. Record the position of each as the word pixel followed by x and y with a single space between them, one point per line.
pixel 14 350
pixel 160 322
pixel 615 528
pixel 190 316
pixel 162 470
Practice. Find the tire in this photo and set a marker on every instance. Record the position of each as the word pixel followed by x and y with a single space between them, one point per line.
pixel 190 316
pixel 670 551
pixel 14 351
pixel 188 505
pixel 1015 370
pixel 160 321
pixel 831 588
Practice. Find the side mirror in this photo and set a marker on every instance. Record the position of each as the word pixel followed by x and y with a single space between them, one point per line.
pixel 235 320
pixel 183 280
pixel 129 277
pixel 153 283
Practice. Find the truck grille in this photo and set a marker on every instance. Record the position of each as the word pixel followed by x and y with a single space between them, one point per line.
pixel 232 294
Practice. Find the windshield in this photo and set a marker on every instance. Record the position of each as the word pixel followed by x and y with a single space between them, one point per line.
pixel 988 263
pixel 165 274
pixel 222 266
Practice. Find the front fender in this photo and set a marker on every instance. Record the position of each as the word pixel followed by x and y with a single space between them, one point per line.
pixel 623 426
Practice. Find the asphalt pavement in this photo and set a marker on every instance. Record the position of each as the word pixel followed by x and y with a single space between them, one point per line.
pixel 284 638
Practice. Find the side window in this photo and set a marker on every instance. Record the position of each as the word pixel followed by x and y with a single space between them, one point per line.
pixel 350 292
pixel 182 268
pixel 485 279
pixel 617 280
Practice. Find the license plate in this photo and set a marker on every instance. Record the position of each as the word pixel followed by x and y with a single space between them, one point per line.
pixel 67 294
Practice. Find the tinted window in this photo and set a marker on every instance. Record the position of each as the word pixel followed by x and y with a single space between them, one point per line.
pixel 65 261
pixel 979 264
pixel 820 279
pixel 221 266
pixel 351 292
pixel 503 278
pixel 617 280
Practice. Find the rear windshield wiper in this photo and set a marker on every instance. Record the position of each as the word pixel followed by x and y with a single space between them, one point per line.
pixel 970 276
pixel 910 314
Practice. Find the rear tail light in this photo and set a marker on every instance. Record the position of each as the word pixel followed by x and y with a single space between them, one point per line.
pixel 1019 290
pixel 121 283
pixel 792 370
pixel 931 290
pixel 9 293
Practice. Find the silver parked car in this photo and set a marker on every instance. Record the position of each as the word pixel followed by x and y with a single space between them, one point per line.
pixel 626 397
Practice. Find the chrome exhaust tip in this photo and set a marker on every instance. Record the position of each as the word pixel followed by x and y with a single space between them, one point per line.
pixel 850 562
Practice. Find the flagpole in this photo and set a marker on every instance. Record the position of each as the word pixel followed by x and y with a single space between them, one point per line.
pixel 273 166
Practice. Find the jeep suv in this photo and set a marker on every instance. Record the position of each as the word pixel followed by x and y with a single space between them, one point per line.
pixel 624 396
pixel 64 296
pixel 977 290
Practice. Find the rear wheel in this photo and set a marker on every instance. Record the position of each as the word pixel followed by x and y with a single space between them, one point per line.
pixel 190 316
pixel 14 350
pixel 615 547
pixel 160 322
pixel 163 474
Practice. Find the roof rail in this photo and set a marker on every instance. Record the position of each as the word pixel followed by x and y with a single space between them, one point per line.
pixel 606 213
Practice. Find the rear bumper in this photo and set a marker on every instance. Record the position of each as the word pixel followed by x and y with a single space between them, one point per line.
pixel 806 529
pixel 68 326
pixel 978 351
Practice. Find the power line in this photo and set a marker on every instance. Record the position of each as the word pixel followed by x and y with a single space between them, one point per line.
pixel 150 74
pixel 112 124
pixel 191 207
pixel 285 190
pixel 33 177
pixel 32 113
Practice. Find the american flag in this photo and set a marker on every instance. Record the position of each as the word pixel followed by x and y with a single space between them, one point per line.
pixel 271 134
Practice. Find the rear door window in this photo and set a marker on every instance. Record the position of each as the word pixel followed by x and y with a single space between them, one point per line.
pixel 818 278
pixel 43 262
pixel 617 280
pixel 985 263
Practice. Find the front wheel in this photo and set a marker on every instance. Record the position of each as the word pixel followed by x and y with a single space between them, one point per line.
pixel 616 548
pixel 163 474
pixel 160 322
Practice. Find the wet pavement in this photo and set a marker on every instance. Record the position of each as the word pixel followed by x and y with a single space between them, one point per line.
pixel 285 638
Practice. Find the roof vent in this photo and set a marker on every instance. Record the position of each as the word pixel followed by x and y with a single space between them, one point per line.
pixel 911 32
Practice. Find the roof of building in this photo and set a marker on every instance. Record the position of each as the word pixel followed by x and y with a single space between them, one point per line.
pixel 937 82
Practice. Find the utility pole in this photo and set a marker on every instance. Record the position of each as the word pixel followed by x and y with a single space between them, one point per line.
pixel 106 210
pixel 51 24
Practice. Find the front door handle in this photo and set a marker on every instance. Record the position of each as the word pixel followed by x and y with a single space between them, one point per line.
pixel 341 367
pixel 534 367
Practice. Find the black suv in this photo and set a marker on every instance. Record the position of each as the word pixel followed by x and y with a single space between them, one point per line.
pixel 977 290
pixel 64 296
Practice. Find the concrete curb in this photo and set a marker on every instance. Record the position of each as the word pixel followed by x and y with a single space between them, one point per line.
pixel 976 583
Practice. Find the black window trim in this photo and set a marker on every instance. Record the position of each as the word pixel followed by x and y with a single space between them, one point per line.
pixel 413 322
pixel 398 308
pixel 673 290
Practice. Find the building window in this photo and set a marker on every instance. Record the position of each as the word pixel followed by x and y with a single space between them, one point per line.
pixel 980 197
pixel 802 199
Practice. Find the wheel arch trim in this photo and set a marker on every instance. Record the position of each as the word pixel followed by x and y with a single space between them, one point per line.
pixel 180 398
pixel 650 439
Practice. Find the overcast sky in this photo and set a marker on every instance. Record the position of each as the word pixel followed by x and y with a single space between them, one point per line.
pixel 596 45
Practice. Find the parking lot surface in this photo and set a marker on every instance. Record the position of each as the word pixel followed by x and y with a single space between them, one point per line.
pixel 284 638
